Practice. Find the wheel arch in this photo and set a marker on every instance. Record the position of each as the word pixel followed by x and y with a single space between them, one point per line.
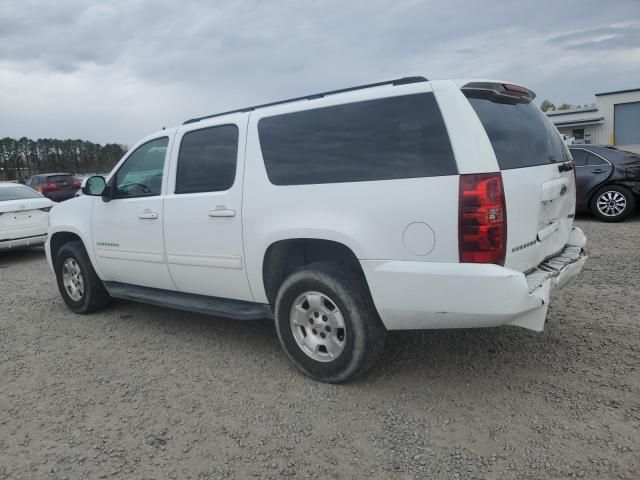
pixel 65 234
pixel 613 183
pixel 58 239
pixel 282 257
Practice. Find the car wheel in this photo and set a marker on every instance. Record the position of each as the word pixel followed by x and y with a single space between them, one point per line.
pixel 78 283
pixel 613 203
pixel 327 323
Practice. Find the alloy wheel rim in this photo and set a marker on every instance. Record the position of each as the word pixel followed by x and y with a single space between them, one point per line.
pixel 611 203
pixel 72 279
pixel 318 326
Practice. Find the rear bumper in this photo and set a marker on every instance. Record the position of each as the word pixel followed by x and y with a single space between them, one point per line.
pixel 633 185
pixel 424 295
pixel 32 241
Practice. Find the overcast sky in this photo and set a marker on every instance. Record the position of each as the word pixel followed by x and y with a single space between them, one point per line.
pixel 119 70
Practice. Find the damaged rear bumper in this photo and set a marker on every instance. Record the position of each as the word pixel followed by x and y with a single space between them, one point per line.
pixel 552 274
pixel 424 295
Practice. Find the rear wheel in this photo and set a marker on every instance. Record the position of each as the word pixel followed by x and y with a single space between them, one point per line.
pixel 79 286
pixel 327 323
pixel 613 203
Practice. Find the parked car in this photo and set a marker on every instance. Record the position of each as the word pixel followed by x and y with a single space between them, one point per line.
pixel 24 216
pixel 406 204
pixel 608 181
pixel 56 186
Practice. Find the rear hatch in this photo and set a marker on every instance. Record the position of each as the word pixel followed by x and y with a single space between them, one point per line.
pixel 62 183
pixel 537 172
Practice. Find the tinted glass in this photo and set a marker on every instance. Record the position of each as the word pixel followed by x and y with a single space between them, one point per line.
pixel 595 160
pixel 60 179
pixel 390 138
pixel 141 174
pixel 579 157
pixel 18 192
pixel 519 132
pixel 207 160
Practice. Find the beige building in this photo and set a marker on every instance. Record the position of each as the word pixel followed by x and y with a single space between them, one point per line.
pixel 614 120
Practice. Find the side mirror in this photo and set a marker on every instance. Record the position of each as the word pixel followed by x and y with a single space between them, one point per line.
pixel 94 186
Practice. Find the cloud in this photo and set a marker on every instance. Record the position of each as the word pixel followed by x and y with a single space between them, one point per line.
pixel 601 38
pixel 116 71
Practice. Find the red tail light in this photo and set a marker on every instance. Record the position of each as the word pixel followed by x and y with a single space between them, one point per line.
pixel 49 186
pixel 516 89
pixel 482 214
pixel 77 183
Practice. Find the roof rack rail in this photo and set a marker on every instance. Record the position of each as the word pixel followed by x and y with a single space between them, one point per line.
pixel 397 81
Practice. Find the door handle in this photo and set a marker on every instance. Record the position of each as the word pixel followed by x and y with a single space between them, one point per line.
pixel 148 215
pixel 597 170
pixel 222 212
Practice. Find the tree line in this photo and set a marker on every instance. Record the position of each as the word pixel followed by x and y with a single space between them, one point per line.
pixel 24 157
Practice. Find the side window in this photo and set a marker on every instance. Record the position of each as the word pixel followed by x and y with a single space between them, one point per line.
pixel 141 173
pixel 389 138
pixel 207 160
pixel 579 157
pixel 594 160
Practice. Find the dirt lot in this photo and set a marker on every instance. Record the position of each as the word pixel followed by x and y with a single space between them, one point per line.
pixel 142 392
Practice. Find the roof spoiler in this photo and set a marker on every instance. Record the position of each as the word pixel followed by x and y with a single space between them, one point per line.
pixel 502 89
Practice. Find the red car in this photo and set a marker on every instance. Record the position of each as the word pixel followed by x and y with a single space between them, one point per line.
pixel 55 186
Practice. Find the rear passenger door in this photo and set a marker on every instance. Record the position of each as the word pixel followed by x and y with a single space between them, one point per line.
pixel 203 210
pixel 591 171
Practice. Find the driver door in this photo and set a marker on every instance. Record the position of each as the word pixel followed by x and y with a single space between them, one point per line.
pixel 127 231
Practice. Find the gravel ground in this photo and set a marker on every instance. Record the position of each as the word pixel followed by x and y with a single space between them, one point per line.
pixel 141 392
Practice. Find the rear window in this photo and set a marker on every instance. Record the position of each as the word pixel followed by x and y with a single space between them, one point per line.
pixel 390 138
pixel 519 132
pixel 60 179
pixel 17 193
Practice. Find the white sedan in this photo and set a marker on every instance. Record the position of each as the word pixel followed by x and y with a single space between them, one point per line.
pixel 24 216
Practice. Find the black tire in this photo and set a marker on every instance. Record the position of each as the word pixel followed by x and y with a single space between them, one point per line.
pixel 364 333
pixel 629 198
pixel 95 296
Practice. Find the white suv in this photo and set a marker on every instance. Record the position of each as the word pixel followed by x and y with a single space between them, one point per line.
pixel 406 204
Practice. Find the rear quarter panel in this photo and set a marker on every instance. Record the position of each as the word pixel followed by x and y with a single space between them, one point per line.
pixel 368 217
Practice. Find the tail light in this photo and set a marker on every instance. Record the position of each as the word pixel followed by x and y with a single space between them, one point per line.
pixel 77 183
pixel 482 214
pixel 516 89
pixel 49 186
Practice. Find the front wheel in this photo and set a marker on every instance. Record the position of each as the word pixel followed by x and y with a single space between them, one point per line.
pixel 613 203
pixel 79 285
pixel 327 323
